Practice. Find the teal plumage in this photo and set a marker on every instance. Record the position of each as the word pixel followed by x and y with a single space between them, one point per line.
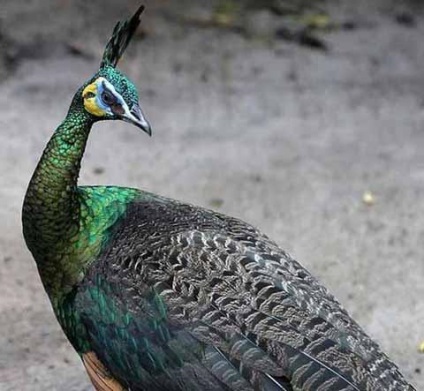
pixel 155 294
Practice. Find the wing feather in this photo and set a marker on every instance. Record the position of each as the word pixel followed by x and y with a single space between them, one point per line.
pixel 211 303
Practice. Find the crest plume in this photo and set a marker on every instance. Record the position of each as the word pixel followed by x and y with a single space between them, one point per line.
pixel 121 37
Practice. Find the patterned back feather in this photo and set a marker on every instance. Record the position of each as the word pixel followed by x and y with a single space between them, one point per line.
pixel 121 37
pixel 194 300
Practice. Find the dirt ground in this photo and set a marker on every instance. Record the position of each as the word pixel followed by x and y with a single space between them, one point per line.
pixel 282 136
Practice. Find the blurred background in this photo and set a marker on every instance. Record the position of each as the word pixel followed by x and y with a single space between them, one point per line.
pixel 304 118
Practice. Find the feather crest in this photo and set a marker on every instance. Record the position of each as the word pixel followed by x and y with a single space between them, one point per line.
pixel 121 37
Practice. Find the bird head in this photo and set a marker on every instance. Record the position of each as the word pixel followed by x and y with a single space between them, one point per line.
pixel 110 94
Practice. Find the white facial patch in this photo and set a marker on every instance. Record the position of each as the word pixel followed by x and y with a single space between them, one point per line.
pixel 104 85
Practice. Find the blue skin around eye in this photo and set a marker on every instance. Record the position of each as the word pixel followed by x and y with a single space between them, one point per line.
pixel 99 101
pixel 100 88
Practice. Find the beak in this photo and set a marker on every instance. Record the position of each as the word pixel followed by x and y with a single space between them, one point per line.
pixel 136 117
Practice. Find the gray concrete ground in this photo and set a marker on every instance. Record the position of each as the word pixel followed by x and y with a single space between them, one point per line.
pixel 283 137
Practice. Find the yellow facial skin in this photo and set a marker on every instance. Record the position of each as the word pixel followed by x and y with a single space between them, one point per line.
pixel 90 102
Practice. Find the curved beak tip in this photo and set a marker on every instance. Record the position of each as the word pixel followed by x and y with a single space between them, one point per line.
pixel 137 118
pixel 148 129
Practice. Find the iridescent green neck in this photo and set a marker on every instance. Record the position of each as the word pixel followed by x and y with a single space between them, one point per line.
pixel 51 207
pixel 65 227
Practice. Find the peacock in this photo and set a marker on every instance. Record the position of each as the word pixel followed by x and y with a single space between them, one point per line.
pixel 160 295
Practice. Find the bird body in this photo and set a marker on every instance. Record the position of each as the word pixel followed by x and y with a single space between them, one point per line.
pixel 155 294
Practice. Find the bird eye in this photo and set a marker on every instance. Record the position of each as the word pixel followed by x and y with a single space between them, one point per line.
pixel 89 95
pixel 108 98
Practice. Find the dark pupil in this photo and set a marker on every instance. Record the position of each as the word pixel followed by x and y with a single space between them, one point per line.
pixel 107 97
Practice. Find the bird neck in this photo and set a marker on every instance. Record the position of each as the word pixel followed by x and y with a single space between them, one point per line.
pixel 51 206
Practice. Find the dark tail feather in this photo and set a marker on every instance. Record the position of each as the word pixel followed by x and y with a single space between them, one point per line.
pixel 308 372
pixel 238 377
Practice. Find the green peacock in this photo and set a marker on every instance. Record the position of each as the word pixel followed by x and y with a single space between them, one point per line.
pixel 155 294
